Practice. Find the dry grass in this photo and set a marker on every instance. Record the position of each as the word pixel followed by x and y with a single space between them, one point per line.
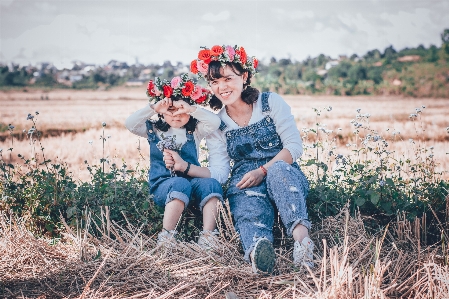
pixel 75 118
pixel 124 263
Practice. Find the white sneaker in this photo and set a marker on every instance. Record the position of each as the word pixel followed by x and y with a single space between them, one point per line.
pixel 263 257
pixel 208 239
pixel 167 239
pixel 303 253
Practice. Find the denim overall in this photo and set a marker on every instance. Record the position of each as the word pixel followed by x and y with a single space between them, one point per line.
pixel 285 185
pixel 165 188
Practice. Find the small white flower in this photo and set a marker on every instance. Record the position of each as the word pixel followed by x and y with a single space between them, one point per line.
pixel 103 124
pixel 431 148
pixel 11 127
pixel 431 156
pixel 109 136
pixel 91 141
pixel 413 115
pixel 358 110
pixel 348 145
pixel 329 108
pixel 424 107
pixel 411 140
pixel 1 150
pixel 381 183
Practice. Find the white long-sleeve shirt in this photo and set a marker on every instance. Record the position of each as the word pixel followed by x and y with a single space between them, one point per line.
pixel 219 161
pixel 208 122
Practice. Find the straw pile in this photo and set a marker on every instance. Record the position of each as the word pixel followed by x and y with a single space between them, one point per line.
pixel 124 263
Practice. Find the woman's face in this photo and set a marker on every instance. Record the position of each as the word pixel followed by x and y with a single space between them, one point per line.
pixel 228 89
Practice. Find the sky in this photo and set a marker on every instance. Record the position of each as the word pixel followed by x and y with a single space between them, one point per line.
pixel 62 31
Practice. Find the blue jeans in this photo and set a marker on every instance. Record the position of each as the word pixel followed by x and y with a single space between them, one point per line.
pixel 286 187
pixel 196 191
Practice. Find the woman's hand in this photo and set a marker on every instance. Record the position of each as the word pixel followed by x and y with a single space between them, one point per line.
pixel 182 107
pixel 174 161
pixel 162 106
pixel 251 179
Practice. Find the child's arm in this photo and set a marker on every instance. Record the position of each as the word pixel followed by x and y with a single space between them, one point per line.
pixel 135 123
pixel 208 122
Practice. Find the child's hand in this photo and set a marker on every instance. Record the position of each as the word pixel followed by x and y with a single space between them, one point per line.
pixel 182 107
pixel 174 160
pixel 162 106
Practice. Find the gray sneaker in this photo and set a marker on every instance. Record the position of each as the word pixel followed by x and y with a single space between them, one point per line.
pixel 263 257
pixel 166 238
pixel 303 253
pixel 208 239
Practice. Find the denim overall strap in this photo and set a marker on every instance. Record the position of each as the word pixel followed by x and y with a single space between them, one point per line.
pixel 222 126
pixel 265 106
pixel 158 171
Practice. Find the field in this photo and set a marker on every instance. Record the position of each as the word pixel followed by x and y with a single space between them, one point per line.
pixel 75 120
pixel 356 257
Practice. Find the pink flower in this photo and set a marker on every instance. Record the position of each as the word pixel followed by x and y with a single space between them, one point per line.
pixel 197 93
pixel 175 82
pixel 231 52
pixel 202 67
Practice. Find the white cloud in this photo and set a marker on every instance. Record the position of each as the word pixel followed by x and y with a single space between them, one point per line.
pixel 222 16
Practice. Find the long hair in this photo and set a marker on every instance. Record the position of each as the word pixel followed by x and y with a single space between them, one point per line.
pixel 163 126
pixel 249 94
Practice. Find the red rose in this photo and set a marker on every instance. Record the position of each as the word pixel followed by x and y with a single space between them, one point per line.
pixel 193 67
pixel 188 89
pixel 201 99
pixel 255 62
pixel 150 89
pixel 216 50
pixel 243 56
pixel 204 55
pixel 168 91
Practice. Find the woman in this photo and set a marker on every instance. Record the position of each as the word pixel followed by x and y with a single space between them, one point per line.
pixel 259 138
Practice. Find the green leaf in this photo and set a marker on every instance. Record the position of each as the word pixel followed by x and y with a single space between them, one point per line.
pixel 311 162
pixel 70 211
pixel 359 201
pixel 374 197
pixel 389 182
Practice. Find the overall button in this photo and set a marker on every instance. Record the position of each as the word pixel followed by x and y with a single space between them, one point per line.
pixel 270 144
pixel 228 134
pixel 268 119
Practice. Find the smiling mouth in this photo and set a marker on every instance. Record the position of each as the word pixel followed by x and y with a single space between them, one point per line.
pixel 225 94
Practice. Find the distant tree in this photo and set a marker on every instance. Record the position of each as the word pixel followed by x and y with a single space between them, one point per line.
pixel 389 52
pixel 445 45
pixel 356 73
pixel 340 71
pixel 285 61
pixel 373 55
pixel 445 36
pixel 321 60
pixel 432 54
pixel 353 57
pixel 273 60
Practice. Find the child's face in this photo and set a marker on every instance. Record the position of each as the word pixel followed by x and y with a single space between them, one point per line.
pixel 176 121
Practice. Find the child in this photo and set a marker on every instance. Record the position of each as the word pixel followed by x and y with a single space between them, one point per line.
pixel 180 126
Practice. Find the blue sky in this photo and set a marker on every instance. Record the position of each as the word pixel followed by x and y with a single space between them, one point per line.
pixel 61 31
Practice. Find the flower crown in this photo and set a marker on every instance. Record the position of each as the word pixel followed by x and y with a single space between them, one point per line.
pixel 223 54
pixel 181 86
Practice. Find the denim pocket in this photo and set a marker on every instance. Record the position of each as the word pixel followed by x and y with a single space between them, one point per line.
pixel 269 142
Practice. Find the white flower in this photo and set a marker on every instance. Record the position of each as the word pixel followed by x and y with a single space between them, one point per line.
pixel 381 183
pixel 91 141
pixel 329 108
pixel 103 124
pixel 358 110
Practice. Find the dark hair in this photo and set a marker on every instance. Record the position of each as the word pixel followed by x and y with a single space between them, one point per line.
pixel 249 94
pixel 163 126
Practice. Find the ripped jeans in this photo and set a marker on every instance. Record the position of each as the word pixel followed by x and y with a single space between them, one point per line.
pixel 286 187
